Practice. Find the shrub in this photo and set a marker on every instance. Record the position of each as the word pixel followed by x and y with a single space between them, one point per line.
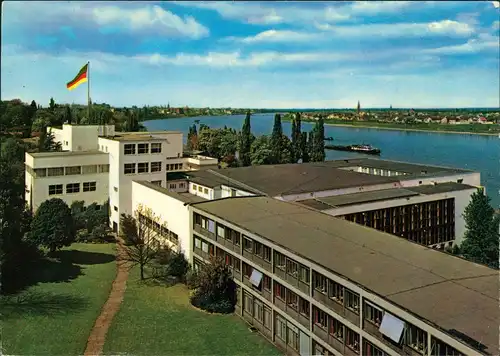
pixel 178 266
pixel 192 279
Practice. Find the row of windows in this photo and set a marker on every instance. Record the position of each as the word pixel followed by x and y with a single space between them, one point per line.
pixel 160 230
pixel 142 167
pixel 291 267
pixel 68 171
pixel 291 299
pixel 200 189
pixel 259 311
pixel 174 166
pixel 230 260
pixel 265 283
pixel 228 234
pixel 336 329
pixel 176 185
pixel 206 247
pixel 336 292
pixel 257 249
pixel 56 189
pixel 287 332
pixel 142 148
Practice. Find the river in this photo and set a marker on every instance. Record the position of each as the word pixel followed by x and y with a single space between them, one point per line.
pixel 475 152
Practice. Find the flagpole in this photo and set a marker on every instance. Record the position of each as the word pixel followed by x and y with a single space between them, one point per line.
pixel 88 90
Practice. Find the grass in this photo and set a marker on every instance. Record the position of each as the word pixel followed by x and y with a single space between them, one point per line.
pixel 55 313
pixel 159 320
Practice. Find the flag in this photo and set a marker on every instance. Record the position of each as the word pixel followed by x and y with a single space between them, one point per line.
pixel 80 78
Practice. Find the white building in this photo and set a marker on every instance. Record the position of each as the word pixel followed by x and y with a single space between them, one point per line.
pixel 98 164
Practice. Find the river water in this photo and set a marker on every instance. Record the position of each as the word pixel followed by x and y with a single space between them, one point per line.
pixel 475 152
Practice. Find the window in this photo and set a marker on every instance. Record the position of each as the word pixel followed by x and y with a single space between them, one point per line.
pixel 257 248
pixel 55 171
pixel 416 338
pixel 292 268
pixel 236 263
pixel 352 339
pixel 72 188
pixel 156 148
pixel 304 307
pixel 266 253
pixel 181 185
pixel 372 314
pixel 247 244
pixel 204 246
pixel 156 182
pixel 143 148
pixel 89 169
pixel 320 318
pixel 129 149
pixel 197 242
pixel 336 291
pixel 279 260
pixel 221 231
pixel 103 168
pixel 74 170
pixel 228 259
pixel 40 172
pixel 293 337
pixel 319 282
pixel 279 291
pixel 247 270
pixel 336 329
pixel 267 317
pixel 211 226
pixel 143 167
pixel 266 283
pixel 236 238
pixel 352 301
pixel 55 189
pixel 129 168
pixel 172 186
pixel 280 328
pixel 292 300
pixel 204 222
pixel 247 302
pixel 440 348
pixel 200 189
pixel 205 190
pixel 194 186
pixel 304 274
pixel 371 350
pixel 155 166
pixel 115 208
pixel 89 186
pixel 258 310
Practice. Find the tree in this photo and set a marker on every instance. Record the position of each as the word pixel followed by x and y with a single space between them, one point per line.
pixel 292 136
pixel 276 140
pixel 303 147
pixel 310 145
pixel 47 142
pixel 318 142
pixel 481 240
pixel 296 137
pixel 261 152
pixel 52 104
pixel 78 213
pixel 53 226
pixel 68 116
pixel 245 142
pixel 142 237
pixel 216 290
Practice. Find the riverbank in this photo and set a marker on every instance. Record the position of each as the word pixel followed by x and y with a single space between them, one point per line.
pixel 434 128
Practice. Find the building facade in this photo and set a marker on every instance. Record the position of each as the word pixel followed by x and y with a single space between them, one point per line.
pixel 307 308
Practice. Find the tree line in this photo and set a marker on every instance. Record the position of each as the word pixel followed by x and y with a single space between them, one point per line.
pixel 244 149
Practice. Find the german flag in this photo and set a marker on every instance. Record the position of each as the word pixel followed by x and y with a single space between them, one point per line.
pixel 80 78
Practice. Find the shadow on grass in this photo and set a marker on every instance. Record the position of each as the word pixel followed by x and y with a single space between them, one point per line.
pixel 83 257
pixel 37 303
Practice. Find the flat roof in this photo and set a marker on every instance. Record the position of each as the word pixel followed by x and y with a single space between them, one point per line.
pixel 184 197
pixel 440 188
pixel 212 179
pixel 140 136
pixel 66 153
pixel 447 291
pixel 285 179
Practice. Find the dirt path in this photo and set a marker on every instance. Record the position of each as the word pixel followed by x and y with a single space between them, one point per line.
pixel 97 336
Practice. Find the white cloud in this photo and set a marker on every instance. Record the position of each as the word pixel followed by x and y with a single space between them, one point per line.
pixel 273 36
pixel 496 4
pixel 442 28
pixel 483 42
pixel 149 20
pixel 377 7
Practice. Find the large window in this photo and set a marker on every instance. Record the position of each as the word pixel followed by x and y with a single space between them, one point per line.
pixel 416 338
pixel 336 291
pixel 247 244
pixel 371 350
pixel 320 318
pixel 352 300
pixel 440 348
pixel 293 337
pixel 373 314
pixel 129 168
pixel 279 261
pixel 257 248
pixel 55 171
pixel 258 310
pixel 74 170
pixel 292 268
pixel 280 330
pixel 73 188
pixel 155 166
pixel 292 300
pixel 156 148
pixel 266 283
pixel 279 291
pixel 143 167
pixel 221 231
pixel 319 282
pixel 336 329
pixel 103 168
pixel 304 274
pixel 55 189
pixel 304 307
pixel 89 169
pixel 352 339
pixel 129 149
pixel 143 148
pixel 89 186
pixel 266 253
pixel 236 263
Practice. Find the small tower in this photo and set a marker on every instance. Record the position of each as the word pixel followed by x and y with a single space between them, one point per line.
pixel 359 107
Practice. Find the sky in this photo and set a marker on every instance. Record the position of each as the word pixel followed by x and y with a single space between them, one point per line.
pixel 410 54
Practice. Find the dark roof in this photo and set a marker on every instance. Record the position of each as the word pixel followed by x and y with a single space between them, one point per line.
pixel 213 179
pixel 285 179
pixel 176 176
pixel 440 188
pixel 445 290
pixel 362 197
pixel 184 197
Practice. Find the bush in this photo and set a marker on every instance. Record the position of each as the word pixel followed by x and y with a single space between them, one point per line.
pixel 204 302
pixel 192 279
pixel 178 266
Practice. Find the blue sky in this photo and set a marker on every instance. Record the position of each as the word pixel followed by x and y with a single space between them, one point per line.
pixel 255 54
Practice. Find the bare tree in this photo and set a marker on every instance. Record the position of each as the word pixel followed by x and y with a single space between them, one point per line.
pixel 142 235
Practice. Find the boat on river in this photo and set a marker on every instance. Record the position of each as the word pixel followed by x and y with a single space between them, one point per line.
pixel 367 149
pixel 328 138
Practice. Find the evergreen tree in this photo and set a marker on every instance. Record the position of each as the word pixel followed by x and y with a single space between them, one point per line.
pixel 297 137
pixel 276 140
pixel 68 116
pixel 303 147
pixel 319 140
pixel 245 142
pixel 310 146
pixel 481 240
pixel 293 153
pixel 52 104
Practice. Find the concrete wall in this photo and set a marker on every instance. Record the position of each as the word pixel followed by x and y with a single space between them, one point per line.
pixel 171 211
pixel 226 192
pixel 37 188
pixel 462 199
pixel 81 137
pixel 206 192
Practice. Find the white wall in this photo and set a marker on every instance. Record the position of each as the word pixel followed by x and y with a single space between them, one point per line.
pixel 462 199
pixel 81 137
pixel 226 192
pixel 171 211
pixel 178 186
pixel 206 192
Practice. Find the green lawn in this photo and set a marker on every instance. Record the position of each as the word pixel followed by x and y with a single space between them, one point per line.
pixel 158 320
pixel 55 314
